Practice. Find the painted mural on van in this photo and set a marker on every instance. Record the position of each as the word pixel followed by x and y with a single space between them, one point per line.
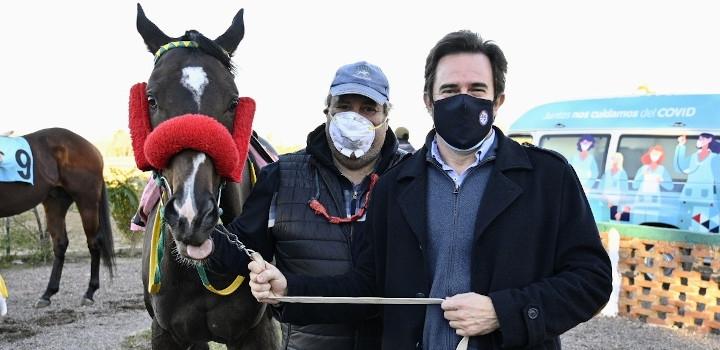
pixel 649 160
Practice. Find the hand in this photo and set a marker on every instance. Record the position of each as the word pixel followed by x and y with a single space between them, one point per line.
pixel 266 281
pixel 682 139
pixel 471 314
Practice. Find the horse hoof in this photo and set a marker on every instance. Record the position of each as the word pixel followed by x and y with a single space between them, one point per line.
pixel 87 301
pixel 41 303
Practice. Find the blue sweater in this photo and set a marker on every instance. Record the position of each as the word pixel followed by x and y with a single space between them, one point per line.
pixel 452 213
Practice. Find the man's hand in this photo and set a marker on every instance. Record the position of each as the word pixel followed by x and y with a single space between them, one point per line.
pixel 266 281
pixel 471 314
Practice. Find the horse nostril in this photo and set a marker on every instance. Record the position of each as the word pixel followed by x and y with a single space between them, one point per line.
pixel 210 214
pixel 171 215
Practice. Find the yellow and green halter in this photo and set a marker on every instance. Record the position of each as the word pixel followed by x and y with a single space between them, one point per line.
pixel 173 45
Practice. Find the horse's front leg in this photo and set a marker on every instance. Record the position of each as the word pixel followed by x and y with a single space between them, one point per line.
pixel 163 340
pixel 56 207
pixel 266 335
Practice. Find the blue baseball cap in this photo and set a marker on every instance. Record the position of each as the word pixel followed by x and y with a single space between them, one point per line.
pixel 361 78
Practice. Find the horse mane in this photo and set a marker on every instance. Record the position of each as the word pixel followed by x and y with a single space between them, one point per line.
pixel 209 47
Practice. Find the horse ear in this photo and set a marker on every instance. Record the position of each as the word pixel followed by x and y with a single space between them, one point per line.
pixel 232 37
pixel 151 34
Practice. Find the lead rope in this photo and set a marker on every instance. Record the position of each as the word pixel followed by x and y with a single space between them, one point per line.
pixel 463 343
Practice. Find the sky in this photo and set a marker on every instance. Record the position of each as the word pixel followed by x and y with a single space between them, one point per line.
pixel 71 63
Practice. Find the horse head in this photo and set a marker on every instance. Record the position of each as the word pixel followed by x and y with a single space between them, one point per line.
pixel 188 123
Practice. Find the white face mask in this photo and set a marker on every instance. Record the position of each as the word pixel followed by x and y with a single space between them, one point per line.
pixel 655 156
pixel 585 146
pixel 352 133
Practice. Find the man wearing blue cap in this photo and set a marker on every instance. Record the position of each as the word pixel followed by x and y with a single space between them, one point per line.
pixel 306 208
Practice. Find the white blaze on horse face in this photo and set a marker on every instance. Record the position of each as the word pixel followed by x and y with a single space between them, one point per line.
pixel 195 80
pixel 186 208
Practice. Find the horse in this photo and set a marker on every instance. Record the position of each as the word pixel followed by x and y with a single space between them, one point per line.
pixel 181 123
pixel 67 168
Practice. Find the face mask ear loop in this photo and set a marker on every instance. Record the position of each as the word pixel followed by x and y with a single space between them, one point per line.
pixel 381 124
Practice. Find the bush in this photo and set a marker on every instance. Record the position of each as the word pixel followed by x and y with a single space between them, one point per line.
pixel 26 239
pixel 123 188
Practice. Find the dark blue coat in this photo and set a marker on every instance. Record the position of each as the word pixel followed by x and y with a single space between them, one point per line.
pixel 537 252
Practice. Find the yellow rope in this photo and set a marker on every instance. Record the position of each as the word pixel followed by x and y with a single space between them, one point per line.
pixel 3 289
pixel 253 175
pixel 230 289
pixel 224 292
pixel 154 287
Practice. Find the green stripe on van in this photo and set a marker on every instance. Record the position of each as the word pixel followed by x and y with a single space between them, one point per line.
pixel 660 234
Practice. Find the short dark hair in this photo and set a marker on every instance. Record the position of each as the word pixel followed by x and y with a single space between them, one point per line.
pixel 465 41
pixel 402 133
pixel 586 137
pixel 714 142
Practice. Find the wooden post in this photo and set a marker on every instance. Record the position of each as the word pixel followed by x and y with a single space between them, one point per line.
pixel 7 231
pixel 41 235
pixel 37 218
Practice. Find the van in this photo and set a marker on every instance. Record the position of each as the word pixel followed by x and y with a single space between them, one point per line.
pixel 647 160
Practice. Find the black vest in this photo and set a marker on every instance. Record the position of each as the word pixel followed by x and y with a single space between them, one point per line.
pixel 307 244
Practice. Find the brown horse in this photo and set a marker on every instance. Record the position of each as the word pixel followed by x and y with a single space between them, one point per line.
pixel 195 120
pixel 67 168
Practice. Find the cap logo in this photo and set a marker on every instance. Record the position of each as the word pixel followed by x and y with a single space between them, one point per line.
pixel 363 72
pixel 483 117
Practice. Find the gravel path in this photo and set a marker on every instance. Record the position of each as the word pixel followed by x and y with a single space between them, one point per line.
pixel 119 312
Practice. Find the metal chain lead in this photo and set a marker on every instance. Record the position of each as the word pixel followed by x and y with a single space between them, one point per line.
pixel 234 240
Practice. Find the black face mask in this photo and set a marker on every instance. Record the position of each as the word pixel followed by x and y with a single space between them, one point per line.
pixel 463 120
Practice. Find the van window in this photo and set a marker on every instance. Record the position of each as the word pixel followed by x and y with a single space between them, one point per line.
pixel 633 147
pixel 521 138
pixel 588 168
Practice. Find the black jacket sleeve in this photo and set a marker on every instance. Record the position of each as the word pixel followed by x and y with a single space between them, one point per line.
pixel 251 228
pixel 580 287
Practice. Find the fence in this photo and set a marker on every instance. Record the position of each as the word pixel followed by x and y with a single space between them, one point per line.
pixel 668 277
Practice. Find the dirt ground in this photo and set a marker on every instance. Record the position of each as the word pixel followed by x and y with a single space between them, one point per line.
pixel 118 310
pixel 118 319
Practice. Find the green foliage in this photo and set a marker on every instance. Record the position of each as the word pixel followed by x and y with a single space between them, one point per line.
pixel 25 240
pixel 123 188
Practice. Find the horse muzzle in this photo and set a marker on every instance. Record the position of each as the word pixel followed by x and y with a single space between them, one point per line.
pixel 192 232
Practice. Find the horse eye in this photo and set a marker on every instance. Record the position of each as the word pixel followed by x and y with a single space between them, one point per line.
pixel 151 102
pixel 233 104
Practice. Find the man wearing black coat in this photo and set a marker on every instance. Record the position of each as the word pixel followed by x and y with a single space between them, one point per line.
pixel 502 231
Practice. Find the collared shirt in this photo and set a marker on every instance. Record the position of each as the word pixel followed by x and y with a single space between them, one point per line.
pixel 479 155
